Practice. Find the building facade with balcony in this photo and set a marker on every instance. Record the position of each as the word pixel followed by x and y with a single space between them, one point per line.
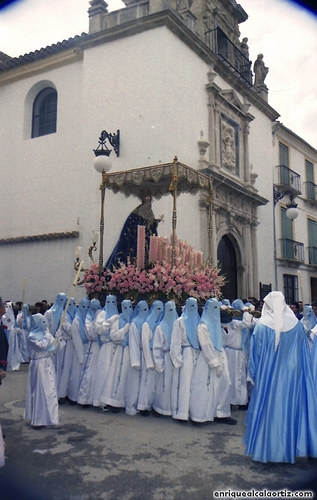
pixel 295 239
pixel 176 80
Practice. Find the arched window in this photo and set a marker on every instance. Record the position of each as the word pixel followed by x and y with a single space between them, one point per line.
pixel 44 116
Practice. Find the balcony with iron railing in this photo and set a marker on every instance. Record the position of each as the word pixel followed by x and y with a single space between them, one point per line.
pixel 287 180
pixel 312 256
pixel 292 250
pixel 230 55
pixel 311 191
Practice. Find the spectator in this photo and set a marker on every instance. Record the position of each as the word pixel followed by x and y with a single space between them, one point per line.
pixel 37 308
pixel 4 344
pixel 295 308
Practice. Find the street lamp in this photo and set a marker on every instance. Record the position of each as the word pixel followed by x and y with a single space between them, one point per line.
pixel 291 212
pixel 102 164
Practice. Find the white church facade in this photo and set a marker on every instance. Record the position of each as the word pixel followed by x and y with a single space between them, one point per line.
pixel 175 79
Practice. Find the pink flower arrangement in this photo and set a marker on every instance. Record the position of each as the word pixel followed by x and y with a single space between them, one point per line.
pixel 93 281
pixel 179 282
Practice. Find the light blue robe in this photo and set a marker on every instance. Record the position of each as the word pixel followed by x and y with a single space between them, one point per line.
pixel 281 422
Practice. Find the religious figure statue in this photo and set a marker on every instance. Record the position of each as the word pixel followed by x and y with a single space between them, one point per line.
pixel 260 70
pixel 228 147
pixel 245 63
pixel 126 247
pixel 245 47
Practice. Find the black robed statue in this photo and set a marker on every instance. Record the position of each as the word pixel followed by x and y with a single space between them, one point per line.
pixel 126 247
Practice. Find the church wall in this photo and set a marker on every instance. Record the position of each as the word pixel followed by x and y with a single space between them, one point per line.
pixel 44 180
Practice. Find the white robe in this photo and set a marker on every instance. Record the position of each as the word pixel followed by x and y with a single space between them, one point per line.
pixel 210 394
pixel 77 360
pixel 131 392
pixel 237 359
pixel 14 356
pixel 23 338
pixel 113 392
pixel 184 358
pixel 148 373
pixel 41 403
pixel 106 352
pixel 164 369
pixel 64 360
pixel 88 371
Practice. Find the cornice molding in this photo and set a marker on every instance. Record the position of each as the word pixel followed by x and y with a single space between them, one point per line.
pixel 41 65
pixel 39 237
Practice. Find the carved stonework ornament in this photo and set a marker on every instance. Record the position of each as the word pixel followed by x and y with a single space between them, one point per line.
pixel 228 146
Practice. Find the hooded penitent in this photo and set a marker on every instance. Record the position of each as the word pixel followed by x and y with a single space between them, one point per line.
pixel 155 316
pixel 167 323
pixel 37 327
pixel 111 306
pixel 25 316
pixel 139 314
pixel 211 317
pixel 277 315
pixel 58 307
pixel 191 319
pixel 81 314
pixel 125 318
pixel 71 311
pixel 94 307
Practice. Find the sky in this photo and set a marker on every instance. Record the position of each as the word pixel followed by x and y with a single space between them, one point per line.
pixel 283 32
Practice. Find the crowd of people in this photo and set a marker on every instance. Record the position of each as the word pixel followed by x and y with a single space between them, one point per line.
pixel 193 365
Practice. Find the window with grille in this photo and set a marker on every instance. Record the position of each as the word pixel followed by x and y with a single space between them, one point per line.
pixel 44 116
pixel 290 288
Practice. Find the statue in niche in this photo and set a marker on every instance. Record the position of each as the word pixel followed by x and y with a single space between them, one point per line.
pixel 183 5
pixel 260 71
pixel 228 147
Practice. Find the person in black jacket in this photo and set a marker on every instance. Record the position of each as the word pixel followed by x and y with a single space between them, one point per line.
pixel 4 345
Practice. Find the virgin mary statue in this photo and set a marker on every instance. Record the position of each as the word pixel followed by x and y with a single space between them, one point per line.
pixel 126 247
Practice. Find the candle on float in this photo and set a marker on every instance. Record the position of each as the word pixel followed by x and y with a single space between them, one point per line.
pixel 169 254
pixel 77 252
pixel 200 258
pixel 81 265
pixel 95 236
pixel 141 247
pixel 152 256
pixel 24 289
pixel 301 294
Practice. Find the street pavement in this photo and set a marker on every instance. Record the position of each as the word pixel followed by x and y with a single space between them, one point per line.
pixel 113 456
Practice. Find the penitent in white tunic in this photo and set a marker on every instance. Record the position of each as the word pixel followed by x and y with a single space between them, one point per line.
pixel 184 358
pixel 41 404
pixel 164 369
pixel 210 393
